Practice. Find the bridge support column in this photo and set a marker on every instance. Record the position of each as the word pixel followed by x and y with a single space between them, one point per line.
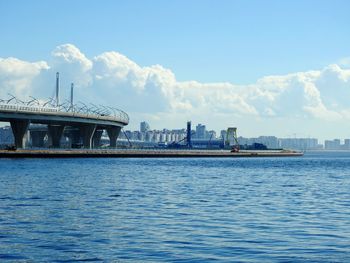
pixel 87 132
pixel 113 133
pixel 19 129
pixel 38 138
pixel 74 136
pixel 96 140
pixel 55 134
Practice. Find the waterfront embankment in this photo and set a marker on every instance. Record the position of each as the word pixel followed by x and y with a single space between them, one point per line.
pixel 140 153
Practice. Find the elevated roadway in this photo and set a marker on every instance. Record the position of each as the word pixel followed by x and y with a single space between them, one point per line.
pixel 88 123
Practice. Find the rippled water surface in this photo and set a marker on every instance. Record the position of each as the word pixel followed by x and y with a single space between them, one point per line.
pixel 178 210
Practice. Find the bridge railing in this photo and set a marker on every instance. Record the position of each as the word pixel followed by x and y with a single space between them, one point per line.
pixel 116 115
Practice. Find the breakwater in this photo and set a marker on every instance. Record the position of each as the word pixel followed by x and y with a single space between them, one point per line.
pixel 140 153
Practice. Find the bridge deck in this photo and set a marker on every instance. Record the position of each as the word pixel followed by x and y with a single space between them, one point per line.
pixel 43 115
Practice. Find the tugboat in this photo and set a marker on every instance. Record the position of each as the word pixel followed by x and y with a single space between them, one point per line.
pixel 235 149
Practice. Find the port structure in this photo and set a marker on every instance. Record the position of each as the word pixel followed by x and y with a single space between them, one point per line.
pixel 85 122
pixel 232 139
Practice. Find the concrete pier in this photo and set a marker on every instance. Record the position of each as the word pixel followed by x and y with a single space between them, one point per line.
pixel 96 139
pixel 38 138
pixel 113 133
pixel 55 134
pixel 19 129
pixel 87 132
pixel 74 136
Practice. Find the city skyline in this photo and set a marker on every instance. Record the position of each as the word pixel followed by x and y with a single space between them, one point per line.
pixel 246 65
pixel 199 132
pixel 201 136
pixel 218 130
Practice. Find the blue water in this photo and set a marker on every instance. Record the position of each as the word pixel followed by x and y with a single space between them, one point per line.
pixel 176 210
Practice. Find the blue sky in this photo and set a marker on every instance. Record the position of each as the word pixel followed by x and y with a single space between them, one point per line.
pixel 209 41
pixel 206 61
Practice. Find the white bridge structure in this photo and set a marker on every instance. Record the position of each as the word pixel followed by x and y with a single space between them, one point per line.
pixel 85 123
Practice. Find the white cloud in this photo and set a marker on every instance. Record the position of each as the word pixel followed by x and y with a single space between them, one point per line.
pixel 16 76
pixel 72 65
pixel 112 78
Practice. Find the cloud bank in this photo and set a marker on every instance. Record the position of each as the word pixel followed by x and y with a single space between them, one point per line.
pixel 153 91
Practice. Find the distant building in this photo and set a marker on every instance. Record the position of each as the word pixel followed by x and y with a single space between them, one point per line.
pixel 211 134
pixel 144 127
pixel 299 144
pixel 271 142
pixel 161 137
pixel 200 131
pixel 6 135
pixel 149 136
pixel 332 144
pixel 137 136
pixel 209 139
pixel 223 134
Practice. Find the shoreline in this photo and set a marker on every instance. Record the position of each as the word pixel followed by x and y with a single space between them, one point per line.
pixel 122 153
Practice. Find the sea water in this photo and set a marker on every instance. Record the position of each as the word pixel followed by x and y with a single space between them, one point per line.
pixel 293 209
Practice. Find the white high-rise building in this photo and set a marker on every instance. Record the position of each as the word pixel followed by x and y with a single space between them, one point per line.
pixel 144 127
pixel 200 131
